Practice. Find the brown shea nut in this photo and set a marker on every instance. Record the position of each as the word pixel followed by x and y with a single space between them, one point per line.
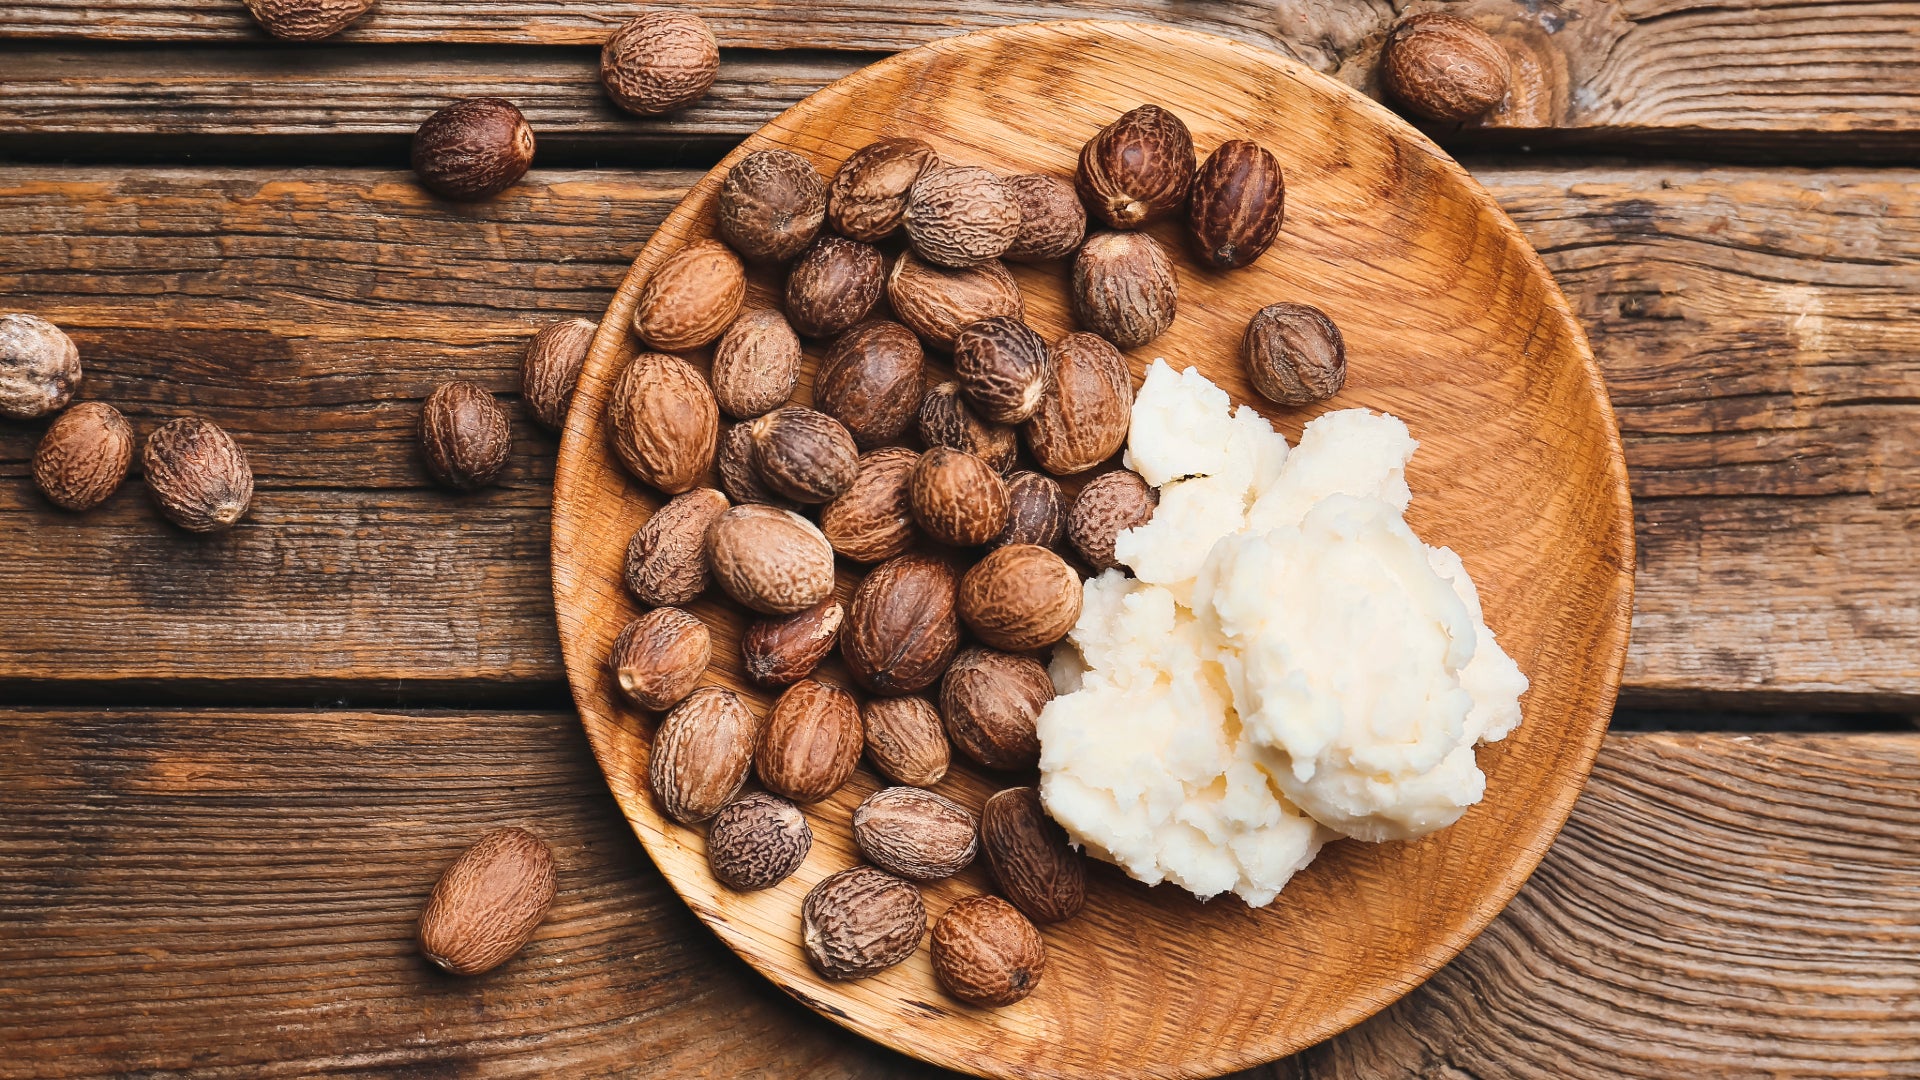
pixel 659 62
pixel 757 841
pixel 1032 862
pixel 834 285
pixel 860 922
pixel 1052 220
pixel 771 560
pixel 1020 597
pixel 986 953
pixel 811 742
pixel 1110 504
pixel 488 903
pixel 961 216
pixel 756 364
pixel 737 476
pixel 472 149
pixel 83 456
pixel 1443 67
pixel 1237 204
pixel 701 754
pixel 991 702
pixel 692 297
pixel 957 498
pixel 197 474
pixel 936 302
pixel 551 368
pixel 1137 168
pixel 1036 511
pixel 663 422
pixel 1084 416
pixel 947 420
pixel 901 628
pixel 39 367
pixel 871 381
pixel 1124 288
pixel 805 455
pixel 915 833
pixel 464 435
pixel 306 20
pixel 906 739
pixel 659 657
pixel 782 650
pixel 771 206
pixel 868 197
pixel 1003 367
pixel 872 521
pixel 667 557
pixel 1294 354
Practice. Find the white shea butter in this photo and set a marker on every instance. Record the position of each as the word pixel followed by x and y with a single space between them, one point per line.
pixel 1287 662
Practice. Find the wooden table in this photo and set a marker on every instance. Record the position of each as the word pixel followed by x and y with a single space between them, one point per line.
pixel 231 767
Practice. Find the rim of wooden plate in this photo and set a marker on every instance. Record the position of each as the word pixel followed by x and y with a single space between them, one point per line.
pixel 580 441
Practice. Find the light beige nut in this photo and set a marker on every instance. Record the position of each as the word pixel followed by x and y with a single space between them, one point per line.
pixel 39 367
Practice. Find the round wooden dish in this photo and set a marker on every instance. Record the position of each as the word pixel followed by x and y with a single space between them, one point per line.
pixel 1451 323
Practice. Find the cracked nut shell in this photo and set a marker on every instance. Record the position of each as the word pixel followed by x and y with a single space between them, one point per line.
pixel 663 422
pixel 811 742
pixel 701 754
pixel 901 628
pixel 1124 288
pixel 692 297
pixel 488 902
pixel 1036 511
pixel 1110 504
pixel 871 381
pixel 1087 409
pixel 659 657
pixel 961 216
pixel 957 499
pixel 84 456
pixel 906 739
pixel 803 454
pixel 935 302
pixel 1238 202
pixel 757 841
pixel 872 521
pixel 782 650
pixel 991 702
pixel 551 368
pixel 771 206
pixel 464 435
pixel 835 284
pixel 1032 862
pixel 659 62
pixel 197 474
pixel 915 833
pixel 986 953
pixel 860 922
pixel 1020 597
pixel 868 196
pixel 947 420
pixel 667 557
pixel 1052 220
pixel 472 149
pixel 39 367
pixel 756 364
pixel 1003 367
pixel 771 560
pixel 1294 354
pixel 1443 67
pixel 1137 169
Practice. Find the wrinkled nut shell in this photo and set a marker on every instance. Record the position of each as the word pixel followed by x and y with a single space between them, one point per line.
pixel 1052 220
pixel 464 435
pixel 1124 288
pixel 771 560
pixel 906 740
pixel 804 455
pixel 1032 862
pixel 488 903
pixel 1084 416
pixel 936 302
pixel 860 922
pixel 915 833
pixel 663 421
pixel 1110 504
pixel 39 367
pixel 306 20
pixel 812 742
pixel 771 206
pixel 1238 202
pixel 868 196
pixel 1020 597
pixel 197 474
pixel 961 216
pixel 901 628
pixel 757 841
pixel 1003 367
pixel 701 754
pixel 1036 511
pixel 991 702
pixel 782 651
pixel 872 521
pixel 692 297
pixel 738 477
pixel 84 456
pixel 835 284
pixel 659 657
pixel 1294 354
pixel 667 558
pixel 871 381
pixel 947 420
pixel 957 498
pixel 1443 67
pixel 756 364
pixel 659 62
pixel 551 369
pixel 1137 168
pixel 986 953
pixel 472 149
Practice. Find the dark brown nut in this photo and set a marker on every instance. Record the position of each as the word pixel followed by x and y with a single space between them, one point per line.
pixel 1294 354
pixel 991 702
pixel 1020 597
pixel 1003 368
pixel 947 420
pixel 986 953
pixel 868 196
pixel 1443 67
pixel 667 557
pixel 1109 505
pixel 757 841
pixel 552 366
pixel 464 435
pixel 1238 202
pixel 1124 288
pixel 871 381
pixel 660 656
pixel 659 62
pixel 701 754
pixel 691 298
pixel 872 521
pixel 1088 407
pixel 83 456
pixel 472 149
pixel 488 903
pixel 783 650
pixel 916 834
pixel 771 206
pixel 1137 168
pixel 756 364
pixel 860 922
pixel 771 560
pixel 834 285
pixel 1036 511
pixel 906 740
pixel 1032 862
pixel 804 455
pixel 306 20
pixel 901 628
pixel 961 216
pixel 197 474
pixel 663 422
pixel 936 302
pixel 957 498
pixel 811 743
pixel 1052 220
pixel 737 476
pixel 39 367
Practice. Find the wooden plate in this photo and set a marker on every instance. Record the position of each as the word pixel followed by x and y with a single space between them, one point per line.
pixel 1451 323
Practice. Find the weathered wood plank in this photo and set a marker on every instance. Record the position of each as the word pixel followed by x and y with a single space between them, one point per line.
pixel 1757 327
